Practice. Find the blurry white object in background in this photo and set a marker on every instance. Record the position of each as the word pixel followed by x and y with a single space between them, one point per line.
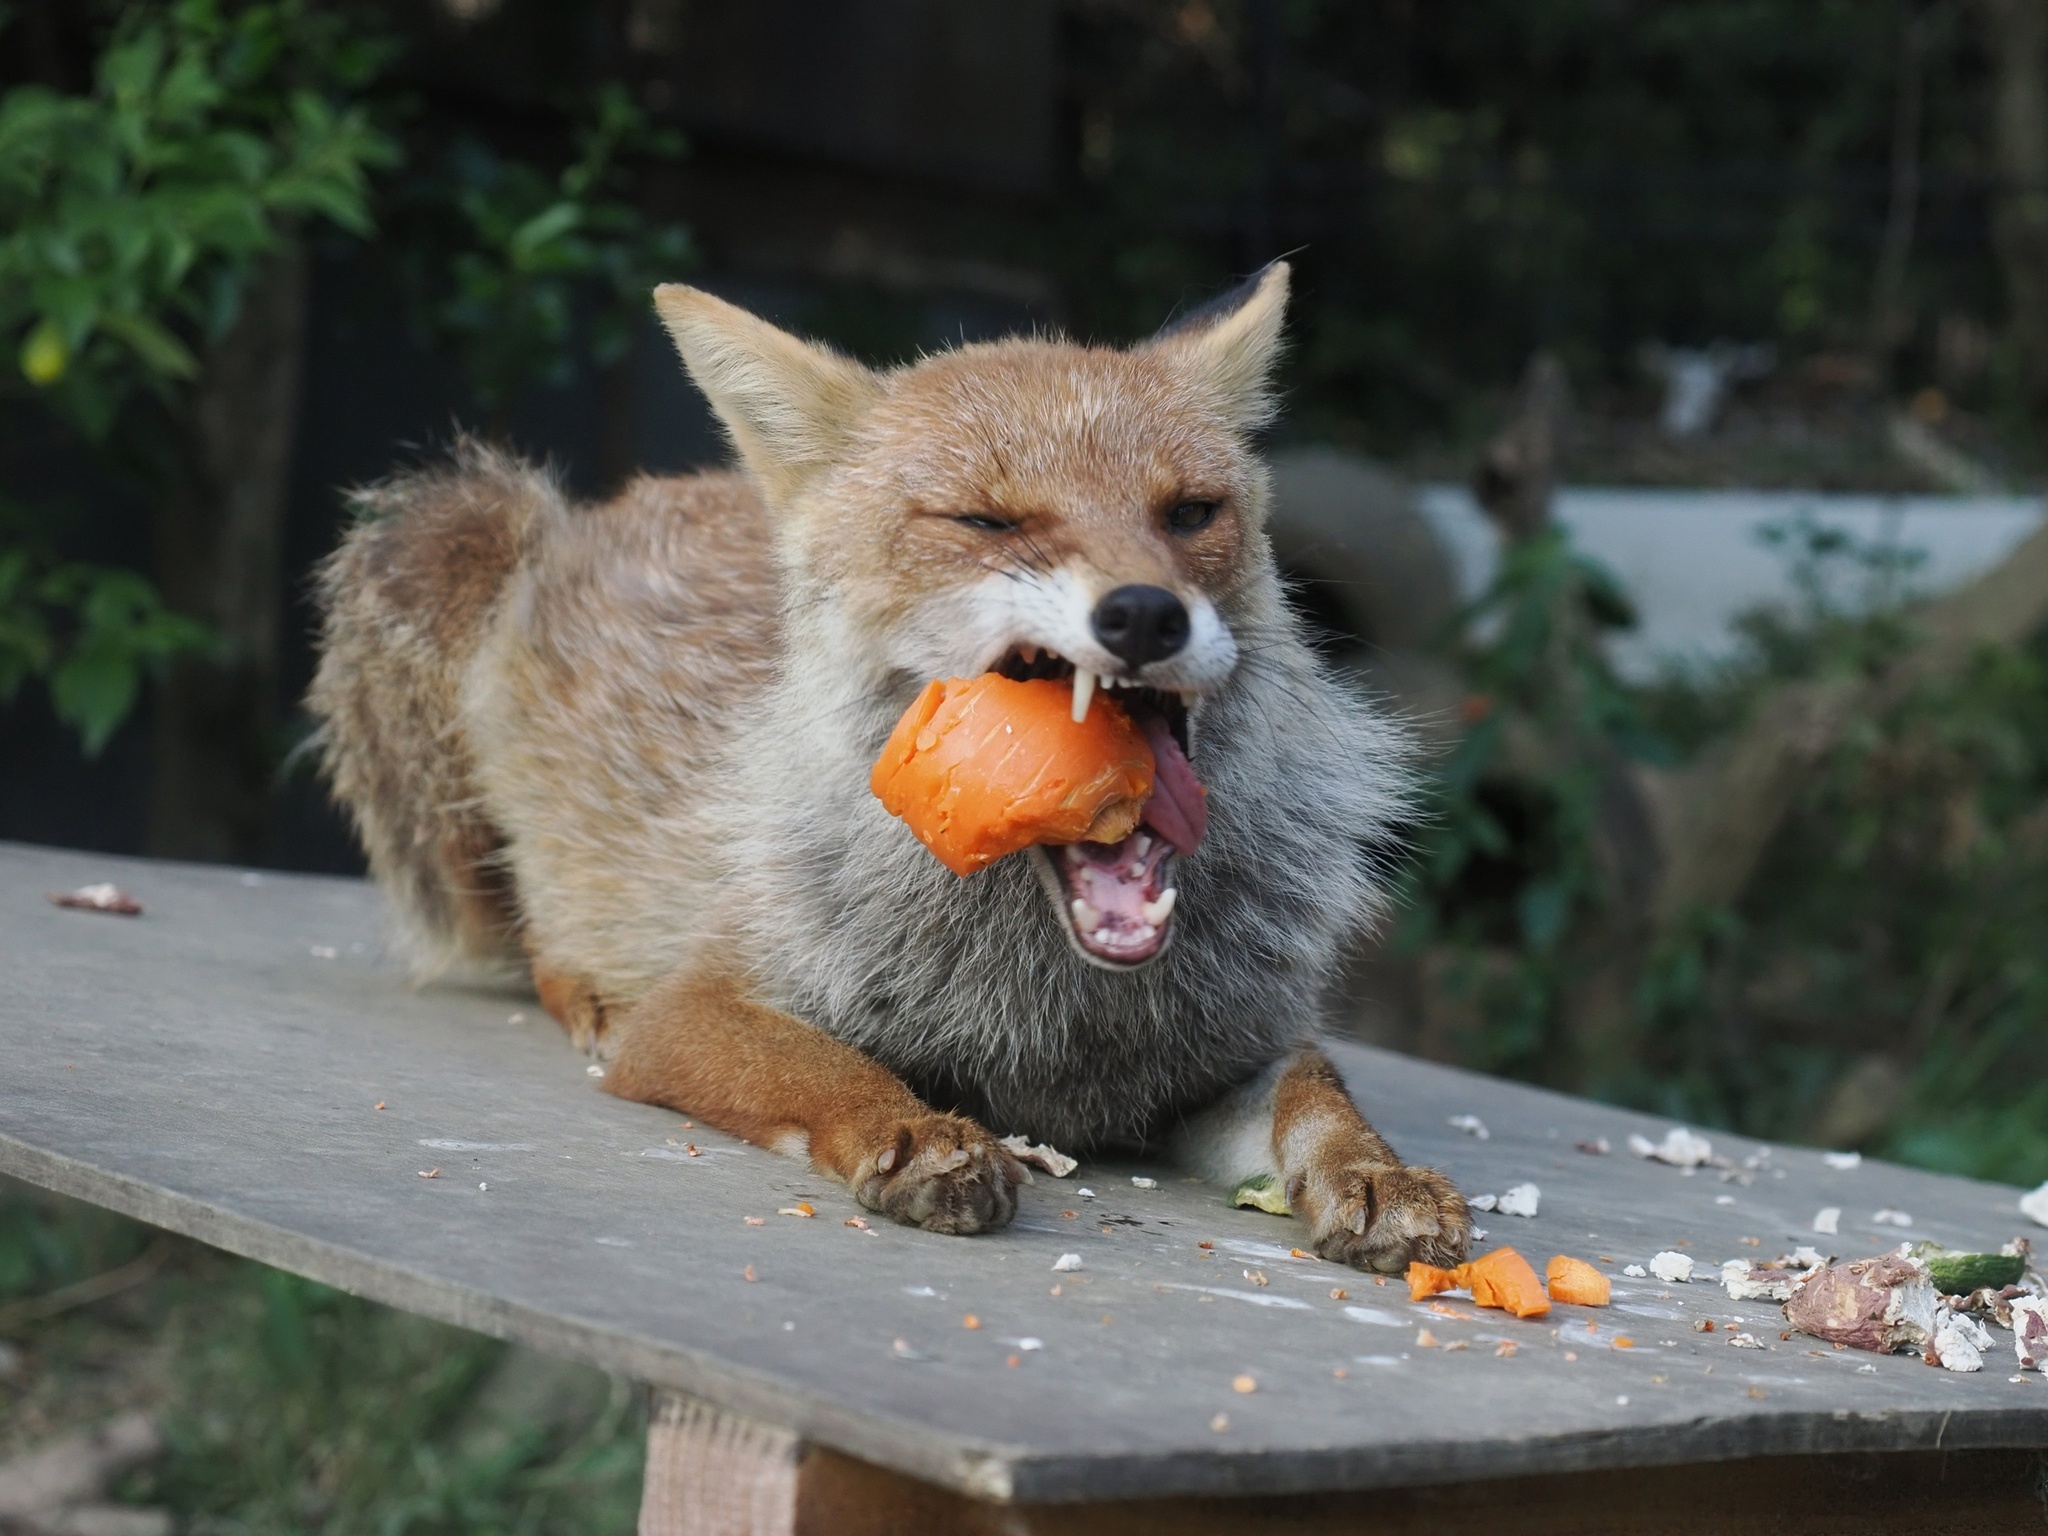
pixel 1694 561
pixel 1697 380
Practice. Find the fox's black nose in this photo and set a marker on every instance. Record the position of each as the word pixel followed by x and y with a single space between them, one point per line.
pixel 1141 624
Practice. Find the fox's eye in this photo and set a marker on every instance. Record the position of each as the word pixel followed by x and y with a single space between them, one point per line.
pixel 1190 516
pixel 985 522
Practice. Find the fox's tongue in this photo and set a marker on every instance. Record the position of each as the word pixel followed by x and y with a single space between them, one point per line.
pixel 1178 810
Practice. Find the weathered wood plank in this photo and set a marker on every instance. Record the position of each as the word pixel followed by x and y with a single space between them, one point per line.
pixel 213 1067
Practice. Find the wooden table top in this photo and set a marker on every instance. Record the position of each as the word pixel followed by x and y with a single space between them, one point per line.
pixel 215 1067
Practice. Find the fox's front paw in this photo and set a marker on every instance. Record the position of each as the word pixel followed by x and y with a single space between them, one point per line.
pixel 1382 1218
pixel 943 1173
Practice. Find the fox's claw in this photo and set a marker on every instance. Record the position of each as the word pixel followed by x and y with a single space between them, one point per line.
pixel 1383 1218
pixel 943 1173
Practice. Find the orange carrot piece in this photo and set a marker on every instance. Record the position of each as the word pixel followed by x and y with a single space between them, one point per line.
pixel 1504 1279
pixel 1577 1283
pixel 1425 1280
pixel 980 768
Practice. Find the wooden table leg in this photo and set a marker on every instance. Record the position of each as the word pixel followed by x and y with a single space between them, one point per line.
pixel 711 1473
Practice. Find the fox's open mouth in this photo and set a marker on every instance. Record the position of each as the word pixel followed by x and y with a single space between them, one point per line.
pixel 1116 900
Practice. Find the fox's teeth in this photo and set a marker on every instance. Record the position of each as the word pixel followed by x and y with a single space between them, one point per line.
pixel 1142 846
pixel 1084 690
pixel 1157 912
pixel 1028 654
pixel 1085 916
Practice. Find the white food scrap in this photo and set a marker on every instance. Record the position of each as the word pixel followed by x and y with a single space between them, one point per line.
pixel 1891 1218
pixel 1472 1126
pixel 1482 1202
pixel 1039 1155
pixel 1827 1219
pixel 1671 1268
pixel 1599 1146
pixel 1522 1200
pixel 1680 1148
pixel 1959 1343
pixel 1139 1181
pixel 1841 1159
pixel 1066 1263
pixel 2035 1206
pixel 1635 1272
pixel 104 897
pixel 1746 1282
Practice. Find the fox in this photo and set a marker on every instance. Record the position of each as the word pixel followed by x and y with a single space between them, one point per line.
pixel 623 749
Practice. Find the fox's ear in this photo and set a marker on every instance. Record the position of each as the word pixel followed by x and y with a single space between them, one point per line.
pixel 1232 342
pixel 789 404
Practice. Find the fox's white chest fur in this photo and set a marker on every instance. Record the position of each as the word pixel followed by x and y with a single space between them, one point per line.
pixel 968 986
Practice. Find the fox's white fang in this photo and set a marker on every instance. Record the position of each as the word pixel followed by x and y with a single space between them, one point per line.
pixel 1156 912
pixel 1086 918
pixel 1084 690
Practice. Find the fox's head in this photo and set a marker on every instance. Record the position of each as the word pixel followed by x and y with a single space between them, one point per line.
pixel 1028 506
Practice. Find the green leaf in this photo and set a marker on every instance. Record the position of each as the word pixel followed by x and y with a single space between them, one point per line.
pixel 159 350
pixel 549 225
pixel 93 692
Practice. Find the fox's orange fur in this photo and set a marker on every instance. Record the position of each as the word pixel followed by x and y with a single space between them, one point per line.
pixel 626 746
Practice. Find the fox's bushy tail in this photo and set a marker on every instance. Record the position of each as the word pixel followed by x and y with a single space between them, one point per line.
pixel 406 600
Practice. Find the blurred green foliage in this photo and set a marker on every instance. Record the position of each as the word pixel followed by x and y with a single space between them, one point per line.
pixel 1509 870
pixel 290 1407
pixel 546 269
pixel 1882 973
pixel 1464 185
pixel 133 219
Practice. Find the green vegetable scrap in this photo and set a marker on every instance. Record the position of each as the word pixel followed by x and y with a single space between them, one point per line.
pixel 1263 1192
pixel 1958 1274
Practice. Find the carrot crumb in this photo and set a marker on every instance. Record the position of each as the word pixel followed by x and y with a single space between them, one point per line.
pixel 748 1273
pixel 1379 1279
pixel 1296 1253
pixel 970 1322
pixel 1205 1245
pixel 691 1148
pixel 1244 1384
pixel 1013 1360
pixel 1757 1392
pixel 1220 1423
pixel 1570 1356
pixel 430 1173
pixel 1424 1339
pixel 1068 1215
pixel 1623 1341
pixel 1505 1349
pixel 1338 1293
pixel 856 1221
pixel 1340 1373
pixel 380 1103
